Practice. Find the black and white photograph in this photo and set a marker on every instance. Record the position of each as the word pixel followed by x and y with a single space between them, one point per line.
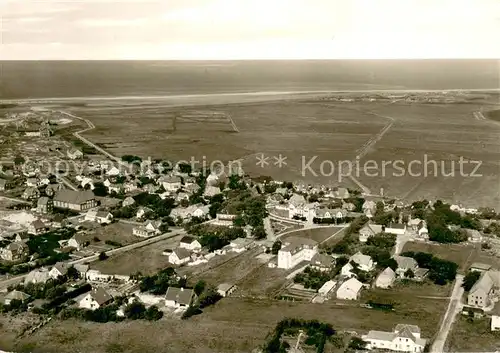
pixel 249 176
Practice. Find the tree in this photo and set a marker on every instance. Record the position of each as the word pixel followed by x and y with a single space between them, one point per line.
pixel 135 310
pixel 357 343
pixel 100 189
pixel 18 160
pixel 72 273
pixel 152 313
pixel 409 273
pixel 276 247
pixel 470 279
pixel 103 256
pixel 259 233
pixel 199 287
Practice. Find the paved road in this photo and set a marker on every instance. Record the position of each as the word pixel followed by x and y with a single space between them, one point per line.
pixel 172 234
pixel 454 308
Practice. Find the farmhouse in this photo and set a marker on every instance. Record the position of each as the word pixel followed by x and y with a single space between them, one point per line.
pixel 405 264
pixel 322 262
pixel 189 243
pixel 350 289
pixel 295 251
pixel 364 262
pixel 179 297
pixel 147 229
pixel 179 256
pixel 369 230
pixel 95 299
pixel 78 241
pixel 386 278
pixel 40 275
pixel 14 252
pixel 59 269
pixel 75 200
pixel 16 295
pixel 484 290
pixel 129 201
pixel 98 216
pixel 37 227
pixel 170 183
pixel 404 338
pixel 224 220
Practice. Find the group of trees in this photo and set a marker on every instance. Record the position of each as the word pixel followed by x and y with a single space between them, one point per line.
pixel 159 282
pixel 470 279
pixel 440 271
pixel 312 278
pixel 318 334
pixel 350 241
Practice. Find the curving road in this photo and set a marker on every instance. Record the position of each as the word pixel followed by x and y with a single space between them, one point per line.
pixel 148 241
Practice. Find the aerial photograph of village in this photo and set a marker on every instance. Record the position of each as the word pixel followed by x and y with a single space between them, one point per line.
pixel 202 203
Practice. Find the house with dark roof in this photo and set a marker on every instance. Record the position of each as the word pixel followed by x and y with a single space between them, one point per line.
pixel 15 251
pixel 179 297
pixel 95 299
pixel 16 295
pixel 37 227
pixel 75 200
pixel 179 256
pixel 59 269
pixel 189 243
pixel 405 264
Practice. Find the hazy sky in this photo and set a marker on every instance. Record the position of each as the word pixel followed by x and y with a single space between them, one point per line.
pixel 249 29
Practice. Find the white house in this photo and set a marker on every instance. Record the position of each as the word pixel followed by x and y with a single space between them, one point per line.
pixel 495 323
pixel 405 264
pixel 329 213
pixel 179 256
pixel 128 201
pixel 369 207
pixel 396 228
pixel 147 229
pixel 364 262
pixel 346 270
pixel 189 243
pixel 386 278
pixel 15 295
pixel 95 299
pixel 170 183
pixel 404 338
pixel 59 269
pixel 350 289
pixel 78 241
pixel 296 250
pixel 179 297
pixel 369 230
pixel 40 275
pixel 98 216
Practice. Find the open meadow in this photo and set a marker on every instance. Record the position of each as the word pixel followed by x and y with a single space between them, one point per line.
pixel 475 336
pixel 317 131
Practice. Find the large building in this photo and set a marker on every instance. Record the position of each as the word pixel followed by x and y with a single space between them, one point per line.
pixel 295 251
pixel 404 338
pixel 482 293
pixel 75 200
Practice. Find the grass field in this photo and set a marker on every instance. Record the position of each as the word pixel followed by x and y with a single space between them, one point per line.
pixel 147 260
pixel 301 130
pixel 316 234
pixel 463 255
pixel 473 336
